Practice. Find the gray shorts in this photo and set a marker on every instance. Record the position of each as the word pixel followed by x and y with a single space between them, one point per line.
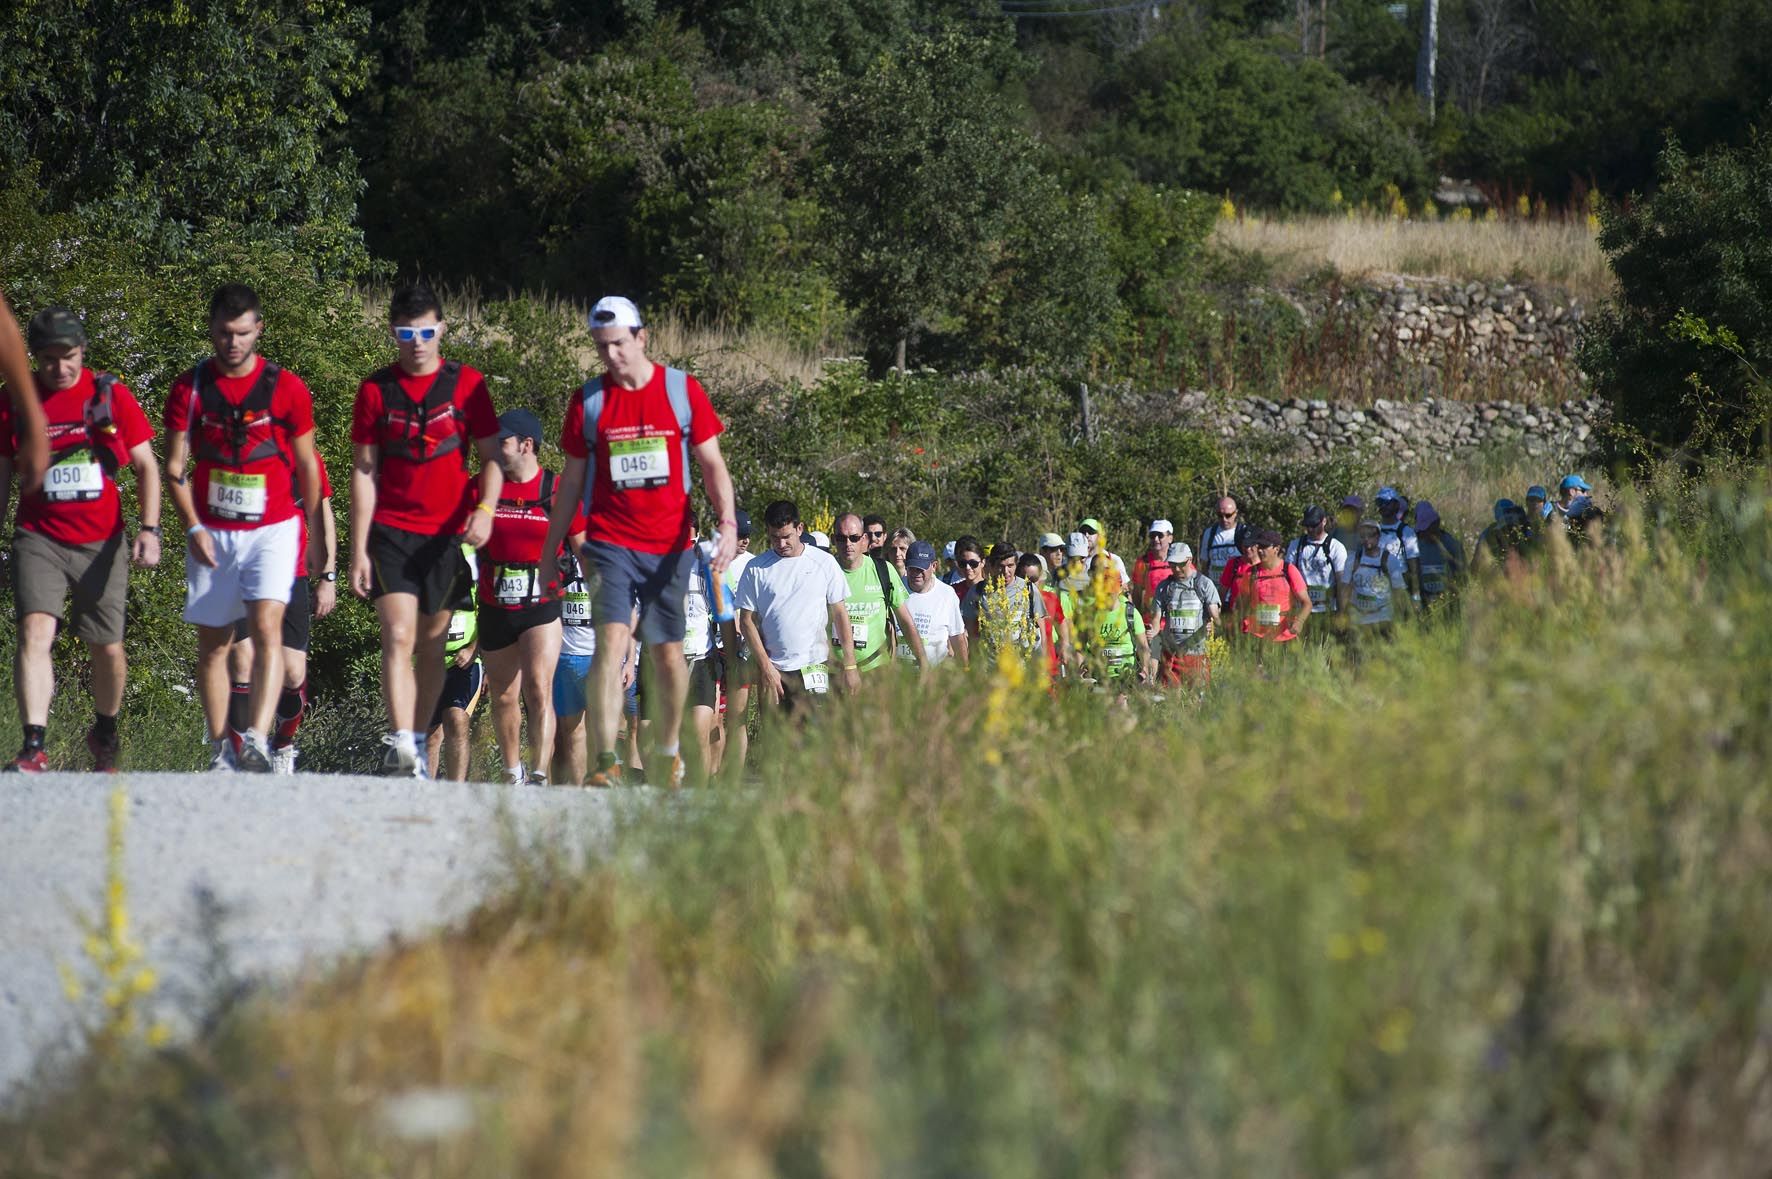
pixel 45 572
pixel 622 579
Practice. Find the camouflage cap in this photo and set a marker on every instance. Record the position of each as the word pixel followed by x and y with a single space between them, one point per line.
pixel 55 327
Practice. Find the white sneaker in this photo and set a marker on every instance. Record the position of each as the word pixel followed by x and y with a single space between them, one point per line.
pixel 421 766
pixel 538 778
pixel 253 757
pixel 222 757
pixel 400 758
pixel 283 760
pixel 514 775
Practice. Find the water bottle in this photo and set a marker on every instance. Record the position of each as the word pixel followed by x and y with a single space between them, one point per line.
pixel 719 602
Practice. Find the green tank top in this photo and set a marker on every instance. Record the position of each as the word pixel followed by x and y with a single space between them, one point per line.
pixel 464 625
pixel 869 615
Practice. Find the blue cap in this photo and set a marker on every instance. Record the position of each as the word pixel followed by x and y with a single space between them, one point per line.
pixel 742 520
pixel 1503 507
pixel 1537 491
pixel 1581 508
pixel 921 555
pixel 1576 482
pixel 1385 493
pixel 519 423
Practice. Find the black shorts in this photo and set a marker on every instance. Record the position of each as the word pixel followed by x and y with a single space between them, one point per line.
pixel 298 618
pixel 704 681
pixel 499 628
pixel 461 689
pixel 430 568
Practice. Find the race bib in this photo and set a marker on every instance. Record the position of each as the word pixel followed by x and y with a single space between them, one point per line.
pixel 76 479
pixel 513 585
pixel 234 496
pixel 635 463
pixel 1433 579
pixel 458 627
pixel 1319 596
pixel 1373 597
pixel 1188 618
pixel 816 679
pixel 1267 614
pixel 575 609
pixel 858 631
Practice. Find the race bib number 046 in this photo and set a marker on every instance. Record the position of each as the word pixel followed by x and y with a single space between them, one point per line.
pixel 639 462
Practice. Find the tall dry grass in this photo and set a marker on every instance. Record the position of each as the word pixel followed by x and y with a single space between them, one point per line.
pixel 1488 898
pixel 1559 251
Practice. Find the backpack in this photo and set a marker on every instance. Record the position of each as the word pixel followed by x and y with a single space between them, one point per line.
pixel 407 423
pixel 222 423
pixel 544 497
pixel 676 388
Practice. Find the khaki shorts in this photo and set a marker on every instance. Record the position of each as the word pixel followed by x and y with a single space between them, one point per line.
pixel 45 572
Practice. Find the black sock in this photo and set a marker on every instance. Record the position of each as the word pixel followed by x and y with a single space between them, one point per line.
pixel 34 735
pixel 103 727
pixel 240 706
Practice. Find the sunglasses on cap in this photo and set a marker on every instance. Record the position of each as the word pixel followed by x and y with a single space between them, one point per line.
pixel 407 335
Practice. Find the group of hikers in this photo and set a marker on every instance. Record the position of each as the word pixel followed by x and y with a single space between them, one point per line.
pixel 549 592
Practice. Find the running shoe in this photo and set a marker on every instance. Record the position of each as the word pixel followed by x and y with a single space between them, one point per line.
pixel 221 760
pixel 538 778
pixel 514 775
pixel 104 753
pixel 253 757
pixel 28 761
pixel 283 759
pixel 609 776
pixel 399 759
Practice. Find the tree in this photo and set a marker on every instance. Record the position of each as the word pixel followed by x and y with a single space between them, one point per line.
pixel 921 160
pixel 1694 267
pixel 157 120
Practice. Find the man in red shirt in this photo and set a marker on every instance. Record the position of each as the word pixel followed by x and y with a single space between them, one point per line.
pixel 1274 600
pixel 305 605
pixel 70 531
pixel 1152 569
pixel 412 431
pixel 239 445
pixel 635 428
pixel 519 600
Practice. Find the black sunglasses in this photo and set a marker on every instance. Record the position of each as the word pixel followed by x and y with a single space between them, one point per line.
pixel 851 537
pixel 972 564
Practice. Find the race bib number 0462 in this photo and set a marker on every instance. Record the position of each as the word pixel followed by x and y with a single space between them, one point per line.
pixel 639 462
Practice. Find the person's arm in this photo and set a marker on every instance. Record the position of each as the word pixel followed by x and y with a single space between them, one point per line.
pixel 908 628
pixel 29 424
pixel 307 475
pixel 146 550
pixel 767 675
pixel 364 460
pixel 197 538
pixel 478 530
pixel 466 655
pixel 326 593
pixel 1147 666
pixel 718 481
pixel 839 613
pixel 1301 597
pixel 568 490
pixel 960 649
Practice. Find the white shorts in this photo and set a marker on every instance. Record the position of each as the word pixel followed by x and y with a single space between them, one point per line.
pixel 251 565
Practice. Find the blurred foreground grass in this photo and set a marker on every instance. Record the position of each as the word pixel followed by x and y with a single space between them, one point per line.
pixel 1491 899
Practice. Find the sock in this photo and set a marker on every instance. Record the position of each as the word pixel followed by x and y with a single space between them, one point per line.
pixel 240 707
pixel 291 705
pixel 668 750
pixel 104 728
pixel 34 737
pixel 406 739
pixel 607 761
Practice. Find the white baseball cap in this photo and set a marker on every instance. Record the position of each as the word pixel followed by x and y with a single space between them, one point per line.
pixel 615 311
pixel 1179 553
pixel 820 539
pixel 1078 546
pixel 1162 526
pixel 1051 540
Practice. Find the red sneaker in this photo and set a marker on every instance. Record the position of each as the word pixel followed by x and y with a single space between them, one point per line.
pixel 104 753
pixel 29 761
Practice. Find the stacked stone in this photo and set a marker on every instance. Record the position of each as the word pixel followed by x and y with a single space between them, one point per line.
pixel 1493 336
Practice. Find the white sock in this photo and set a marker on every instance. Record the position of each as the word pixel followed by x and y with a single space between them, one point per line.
pixel 406 739
pixel 669 750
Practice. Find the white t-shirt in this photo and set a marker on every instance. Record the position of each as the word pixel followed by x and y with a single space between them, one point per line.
pixel 1217 547
pixel 1323 567
pixel 791 597
pixel 936 614
pixel 1400 539
pixel 575 605
pixel 1372 588
pixel 697 619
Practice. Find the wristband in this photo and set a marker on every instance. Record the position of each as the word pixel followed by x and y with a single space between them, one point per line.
pixel 487 510
pixel 851 667
pixel 194 529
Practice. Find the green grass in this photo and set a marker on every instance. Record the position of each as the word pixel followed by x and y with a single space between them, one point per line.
pixel 1490 898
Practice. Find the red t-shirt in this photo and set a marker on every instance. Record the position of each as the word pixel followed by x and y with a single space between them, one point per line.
pixel 78 503
pixel 265 494
pixel 514 550
pixel 425 497
pixel 1054 616
pixel 1274 601
pixel 301 553
pixel 645 519
pixel 1234 580
pixel 1148 573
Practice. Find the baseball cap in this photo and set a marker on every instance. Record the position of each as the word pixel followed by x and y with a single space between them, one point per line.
pixel 742 519
pixel 1160 526
pixel 1504 508
pixel 819 539
pixel 1386 493
pixel 1576 482
pixel 615 311
pixel 921 555
pixel 1354 502
pixel 1051 540
pixel 55 327
pixel 519 423
pixel 1077 546
pixel 1179 553
pixel 1091 524
pixel 1425 515
pixel 1537 491
pixel 1314 516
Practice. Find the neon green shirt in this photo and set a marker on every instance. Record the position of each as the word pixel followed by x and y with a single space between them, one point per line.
pixel 868 614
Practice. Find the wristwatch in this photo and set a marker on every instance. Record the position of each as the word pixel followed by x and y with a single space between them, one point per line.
pixel 154 528
pixel 329 575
